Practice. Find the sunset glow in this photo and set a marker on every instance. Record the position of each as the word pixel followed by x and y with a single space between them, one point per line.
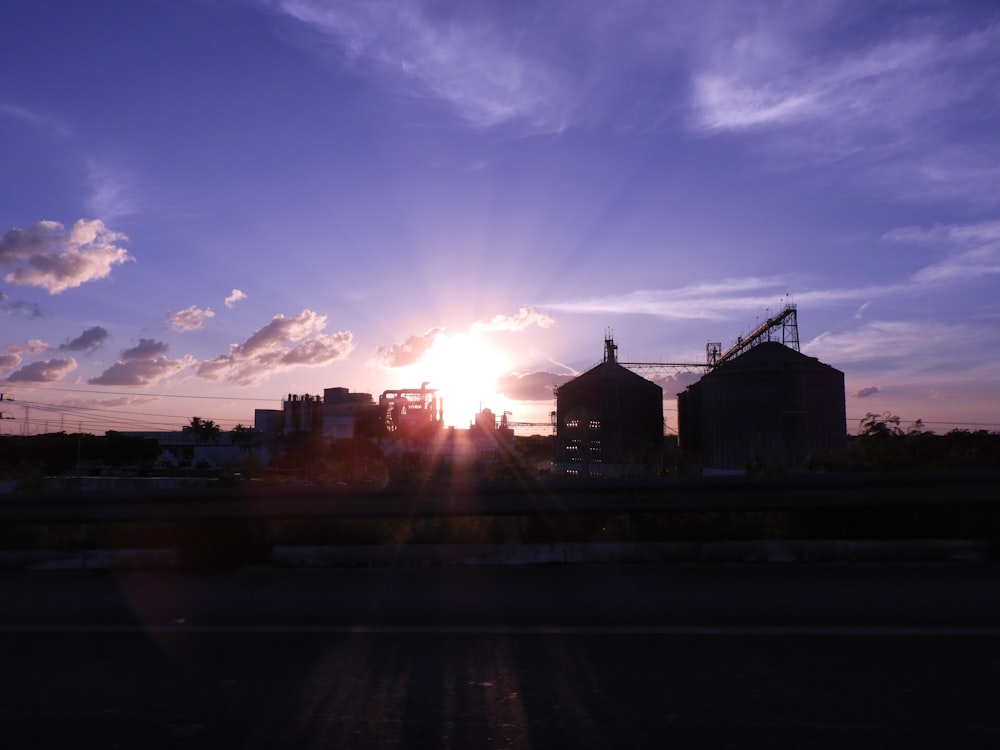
pixel 464 368
pixel 282 196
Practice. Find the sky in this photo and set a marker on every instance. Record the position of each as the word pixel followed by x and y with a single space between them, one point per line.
pixel 207 205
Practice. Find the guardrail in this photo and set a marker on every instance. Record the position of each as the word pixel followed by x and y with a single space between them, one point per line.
pixel 230 525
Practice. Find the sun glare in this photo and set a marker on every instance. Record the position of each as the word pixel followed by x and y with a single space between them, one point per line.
pixel 464 368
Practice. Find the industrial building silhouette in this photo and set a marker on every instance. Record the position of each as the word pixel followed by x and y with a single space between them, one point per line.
pixel 609 422
pixel 760 405
pixel 770 408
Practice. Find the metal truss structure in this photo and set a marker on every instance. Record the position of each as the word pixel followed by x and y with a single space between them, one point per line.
pixel 783 328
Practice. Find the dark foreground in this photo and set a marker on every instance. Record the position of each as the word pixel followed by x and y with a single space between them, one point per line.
pixel 618 657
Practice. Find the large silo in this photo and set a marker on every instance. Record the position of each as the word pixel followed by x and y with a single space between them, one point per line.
pixel 769 408
pixel 609 422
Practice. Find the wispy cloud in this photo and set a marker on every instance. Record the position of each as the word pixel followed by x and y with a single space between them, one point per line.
pixel 896 341
pixel 968 253
pixel 112 194
pixel 710 300
pixel 525 317
pixel 46 255
pixel 20 308
pixel 282 344
pixel 776 71
pixel 472 61
pixel 45 123
pixel 972 251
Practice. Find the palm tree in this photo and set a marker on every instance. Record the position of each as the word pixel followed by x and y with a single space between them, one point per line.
pixel 243 437
pixel 204 430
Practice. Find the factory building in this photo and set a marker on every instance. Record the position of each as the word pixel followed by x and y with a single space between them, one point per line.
pixel 769 408
pixel 337 415
pixel 609 422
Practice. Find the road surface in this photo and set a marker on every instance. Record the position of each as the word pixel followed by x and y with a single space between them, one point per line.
pixel 820 656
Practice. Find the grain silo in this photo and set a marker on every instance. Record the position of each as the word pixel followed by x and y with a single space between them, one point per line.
pixel 609 422
pixel 770 408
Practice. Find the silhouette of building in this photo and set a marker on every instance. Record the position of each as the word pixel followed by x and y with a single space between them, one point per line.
pixel 609 422
pixel 771 407
pixel 338 414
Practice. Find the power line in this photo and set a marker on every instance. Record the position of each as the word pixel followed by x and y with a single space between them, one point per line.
pixel 8 384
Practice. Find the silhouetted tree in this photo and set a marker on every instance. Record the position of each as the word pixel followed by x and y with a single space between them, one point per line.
pixel 243 437
pixel 204 430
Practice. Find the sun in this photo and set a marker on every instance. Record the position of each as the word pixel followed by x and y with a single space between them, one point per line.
pixel 464 368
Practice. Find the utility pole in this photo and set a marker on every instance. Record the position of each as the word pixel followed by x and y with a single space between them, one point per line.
pixel 2 416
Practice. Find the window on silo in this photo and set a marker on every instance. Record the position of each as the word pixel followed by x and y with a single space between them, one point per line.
pixel 595 424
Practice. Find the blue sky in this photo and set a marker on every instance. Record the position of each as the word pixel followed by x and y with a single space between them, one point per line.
pixel 208 205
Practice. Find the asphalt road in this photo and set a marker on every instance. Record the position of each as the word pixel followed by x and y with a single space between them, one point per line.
pixel 541 657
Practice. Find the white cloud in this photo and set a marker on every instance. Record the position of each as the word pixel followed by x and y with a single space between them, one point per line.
pixel 235 296
pixel 46 255
pixel 410 351
pixel 282 344
pixel 189 319
pixel 525 318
